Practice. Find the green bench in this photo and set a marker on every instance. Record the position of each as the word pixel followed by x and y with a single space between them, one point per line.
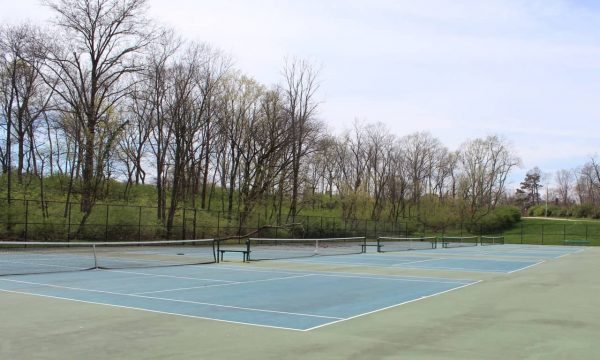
pixel 576 242
pixel 245 254
pixel 364 247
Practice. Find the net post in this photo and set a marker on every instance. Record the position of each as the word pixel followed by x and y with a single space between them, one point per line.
pixel 95 256
pixel 248 249
pixel 216 250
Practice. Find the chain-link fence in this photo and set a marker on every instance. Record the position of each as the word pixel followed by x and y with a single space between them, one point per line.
pixel 63 221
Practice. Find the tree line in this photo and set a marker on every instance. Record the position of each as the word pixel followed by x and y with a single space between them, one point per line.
pixel 105 94
pixel 575 192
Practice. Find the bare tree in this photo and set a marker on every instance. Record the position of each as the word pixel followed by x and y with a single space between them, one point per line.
pixel 156 84
pixel 239 102
pixel 300 87
pixel 419 150
pixel 398 185
pixel 351 168
pixel 379 155
pixel 587 185
pixel 485 165
pixel 98 44
pixel 23 96
pixel 564 185
pixel 263 156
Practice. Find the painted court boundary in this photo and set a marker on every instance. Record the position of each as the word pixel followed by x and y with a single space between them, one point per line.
pixel 333 318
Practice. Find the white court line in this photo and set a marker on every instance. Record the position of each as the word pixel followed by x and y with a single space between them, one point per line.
pixel 401 265
pixel 34 264
pixel 399 279
pixel 167 299
pixel 327 262
pixel 454 268
pixel 367 276
pixel 336 263
pixel 300 276
pixel 392 306
pixel 167 276
pixel 218 285
pixel 149 310
pixel 354 274
pixel 473 255
pixel 574 252
pixel 418 261
pixel 527 267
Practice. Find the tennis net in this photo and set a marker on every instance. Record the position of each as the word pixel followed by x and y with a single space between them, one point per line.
pixel 272 249
pixel 458 241
pixel 18 258
pixel 491 240
pixel 387 244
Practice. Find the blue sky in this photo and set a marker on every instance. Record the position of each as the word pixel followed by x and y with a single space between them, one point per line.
pixel 526 70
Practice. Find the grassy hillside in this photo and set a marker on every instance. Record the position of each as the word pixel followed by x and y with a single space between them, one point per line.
pixel 130 213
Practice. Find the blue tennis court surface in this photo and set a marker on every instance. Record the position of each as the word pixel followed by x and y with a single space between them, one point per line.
pixel 296 300
pixel 425 262
pixel 496 259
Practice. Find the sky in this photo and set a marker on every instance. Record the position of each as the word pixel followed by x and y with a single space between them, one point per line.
pixel 528 71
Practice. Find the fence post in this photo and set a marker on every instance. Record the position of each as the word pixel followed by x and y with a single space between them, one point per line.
pixel 258 225
pixel 521 232
pixel 334 229
pixel 26 218
pixel 218 224
pixel 195 222
pixel 69 221
pixel 183 223
pixel 345 226
pixel 106 224
pixel 140 223
pixel 307 219
pixel 542 234
pixel 321 230
pixel 564 232
pixel 586 231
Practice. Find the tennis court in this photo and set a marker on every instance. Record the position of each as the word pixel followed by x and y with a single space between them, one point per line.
pixel 177 301
pixel 496 259
pixel 274 298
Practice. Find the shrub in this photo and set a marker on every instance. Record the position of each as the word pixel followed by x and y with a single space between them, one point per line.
pixel 501 218
pixel 582 211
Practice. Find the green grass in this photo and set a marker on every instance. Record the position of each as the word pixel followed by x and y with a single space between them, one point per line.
pixel 553 231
